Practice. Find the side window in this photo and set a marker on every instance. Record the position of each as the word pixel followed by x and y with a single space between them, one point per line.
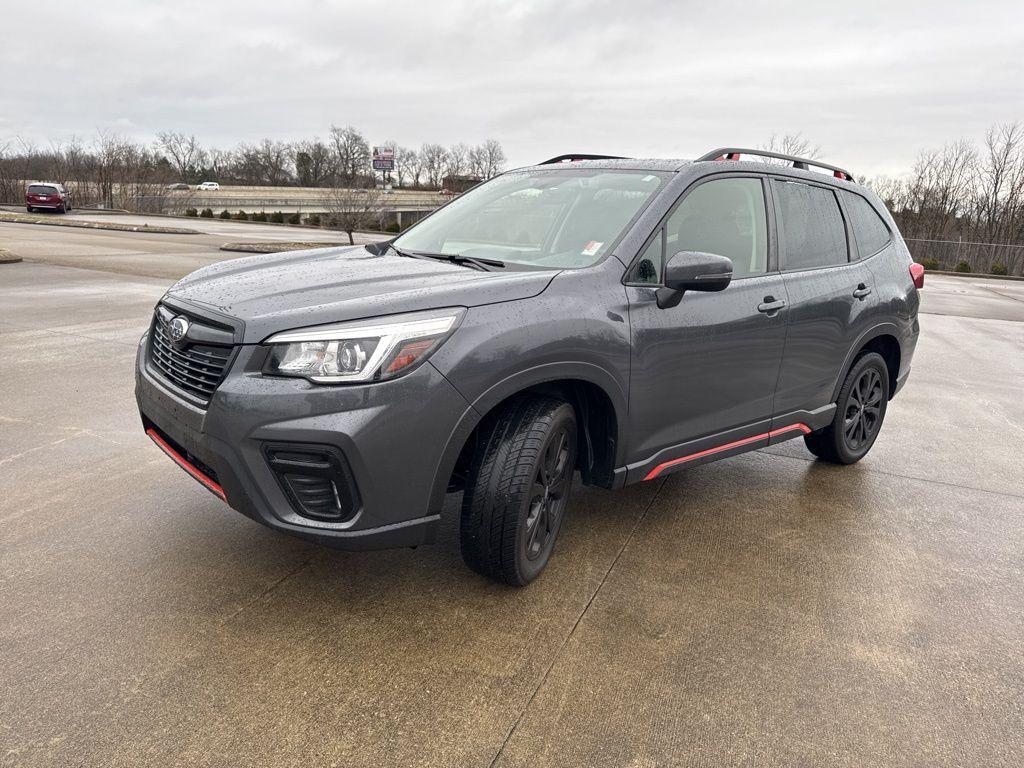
pixel 723 216
pixel 648 268
pixel 811 231
pixel 868 228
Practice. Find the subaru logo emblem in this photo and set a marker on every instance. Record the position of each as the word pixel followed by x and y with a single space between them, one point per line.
pixel 178 328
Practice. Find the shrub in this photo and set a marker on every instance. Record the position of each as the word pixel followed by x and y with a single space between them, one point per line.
pixel 277 217
pixel 392 228
pixel 930 263
pixel 295 219
pixel 207 213
pixel 261 216
pixel 999 269
pixel 962 266
pixel 225 214
pixel 314 219
pixel 191 212
pixel 241 216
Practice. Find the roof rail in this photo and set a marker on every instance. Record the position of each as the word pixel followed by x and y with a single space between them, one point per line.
pixel 733 153
pixel 577 156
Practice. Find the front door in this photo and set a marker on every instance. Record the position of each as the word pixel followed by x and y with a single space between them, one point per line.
pixel 706 369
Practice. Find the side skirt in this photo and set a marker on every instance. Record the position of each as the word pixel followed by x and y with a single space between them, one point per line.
pixel 729 443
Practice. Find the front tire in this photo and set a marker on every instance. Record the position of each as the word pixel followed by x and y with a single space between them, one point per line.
pixel 860 410
pixel 518 487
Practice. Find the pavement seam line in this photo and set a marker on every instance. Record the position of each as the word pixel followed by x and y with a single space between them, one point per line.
pixel 572 631
pixel 267 590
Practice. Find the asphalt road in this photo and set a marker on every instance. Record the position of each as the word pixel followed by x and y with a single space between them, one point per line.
pixel 148 253
pixel 765 610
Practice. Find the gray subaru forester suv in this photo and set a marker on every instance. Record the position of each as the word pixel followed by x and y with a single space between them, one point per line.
pixel 623 318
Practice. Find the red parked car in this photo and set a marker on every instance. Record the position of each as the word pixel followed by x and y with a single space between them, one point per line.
pixel 49 196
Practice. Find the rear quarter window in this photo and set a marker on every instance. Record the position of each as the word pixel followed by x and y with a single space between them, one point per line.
pixel 869 230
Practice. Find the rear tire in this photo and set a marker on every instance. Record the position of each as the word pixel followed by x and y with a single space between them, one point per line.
pixel 518 487
pixel 29 209
pixel 860 410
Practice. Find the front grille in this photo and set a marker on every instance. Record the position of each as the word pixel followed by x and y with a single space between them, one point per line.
pixel 196 369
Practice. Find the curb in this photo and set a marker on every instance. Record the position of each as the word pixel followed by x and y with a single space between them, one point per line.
pixel 6 257
pixel 78 224
pixel 279 247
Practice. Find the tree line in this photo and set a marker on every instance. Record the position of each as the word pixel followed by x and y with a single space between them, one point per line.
pixel 118 171
pixel 962 205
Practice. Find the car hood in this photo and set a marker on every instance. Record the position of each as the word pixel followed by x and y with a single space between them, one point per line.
pixel 283 291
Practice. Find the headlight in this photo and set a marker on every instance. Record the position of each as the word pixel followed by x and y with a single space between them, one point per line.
pixel 364 350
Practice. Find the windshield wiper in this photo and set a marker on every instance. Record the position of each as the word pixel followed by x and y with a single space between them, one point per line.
pixel 474 262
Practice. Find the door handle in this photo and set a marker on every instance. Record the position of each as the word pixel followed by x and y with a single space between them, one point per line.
pixel 770 305
pixel 862 292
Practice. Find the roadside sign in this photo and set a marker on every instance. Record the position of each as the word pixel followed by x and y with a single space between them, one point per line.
pixel 383 159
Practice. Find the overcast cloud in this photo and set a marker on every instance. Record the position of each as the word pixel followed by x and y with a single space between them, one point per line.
pixel 871 83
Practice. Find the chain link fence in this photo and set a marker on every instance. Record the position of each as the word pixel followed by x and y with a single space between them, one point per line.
pixel 987 258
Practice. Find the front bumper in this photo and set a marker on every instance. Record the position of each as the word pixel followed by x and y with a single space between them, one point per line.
pixel 393 436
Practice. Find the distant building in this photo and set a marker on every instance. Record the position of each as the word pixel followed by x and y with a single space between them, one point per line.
pixel 459 184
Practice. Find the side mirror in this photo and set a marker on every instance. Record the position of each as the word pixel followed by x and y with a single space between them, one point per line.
pixel 693 271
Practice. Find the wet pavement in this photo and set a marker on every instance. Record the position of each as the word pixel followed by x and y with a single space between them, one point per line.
pixel 763 610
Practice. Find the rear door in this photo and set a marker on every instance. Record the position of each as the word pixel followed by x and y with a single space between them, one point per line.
pixel 709 365
pixel 831 294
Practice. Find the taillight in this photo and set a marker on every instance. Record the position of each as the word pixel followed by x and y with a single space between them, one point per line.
pixel 917 274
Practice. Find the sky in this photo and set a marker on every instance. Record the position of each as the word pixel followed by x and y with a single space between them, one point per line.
pixel 871 83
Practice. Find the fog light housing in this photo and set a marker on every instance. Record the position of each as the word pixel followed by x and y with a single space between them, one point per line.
pixel 316 479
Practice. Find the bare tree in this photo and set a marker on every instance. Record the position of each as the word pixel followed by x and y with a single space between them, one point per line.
pixel 406 166
pixel 218 164
pixel 490 159
pixel 434 158
pixel 791 144
pixel 351 209
pixel 416 168
pixel 457 160
pixel 938 190
pixel 1000 183
pixel 183 152
pixel 351 153
pixel 314 163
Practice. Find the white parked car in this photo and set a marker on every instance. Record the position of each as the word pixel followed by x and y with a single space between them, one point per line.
pixel 208 186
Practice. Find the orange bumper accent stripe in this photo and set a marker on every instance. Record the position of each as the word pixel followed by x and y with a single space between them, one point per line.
pixel 185 464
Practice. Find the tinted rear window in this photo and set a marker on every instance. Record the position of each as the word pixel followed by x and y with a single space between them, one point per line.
pixel 811 230
pixel 868 228
pixel 42 189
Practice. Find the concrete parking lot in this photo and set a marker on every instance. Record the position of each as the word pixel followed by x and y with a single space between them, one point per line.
pixel 765 610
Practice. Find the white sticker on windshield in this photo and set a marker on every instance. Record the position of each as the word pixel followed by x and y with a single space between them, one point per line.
pixel 592 248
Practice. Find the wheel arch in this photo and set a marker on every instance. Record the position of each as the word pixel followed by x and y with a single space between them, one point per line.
pixel 883 339
pixel 600 405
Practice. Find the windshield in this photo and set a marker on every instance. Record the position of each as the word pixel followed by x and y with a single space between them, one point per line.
pixel 559 218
